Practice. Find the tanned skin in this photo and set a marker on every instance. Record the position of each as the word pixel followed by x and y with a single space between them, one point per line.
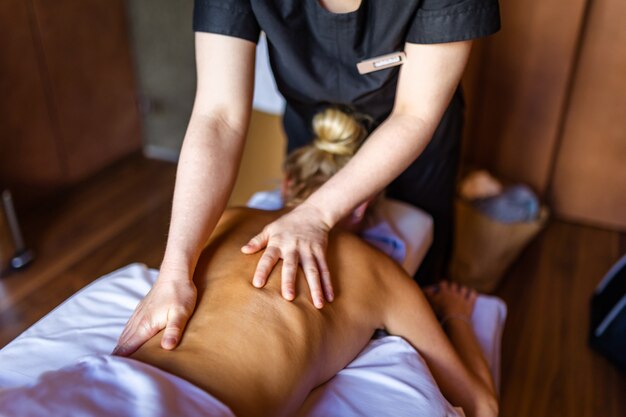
pixel 262 355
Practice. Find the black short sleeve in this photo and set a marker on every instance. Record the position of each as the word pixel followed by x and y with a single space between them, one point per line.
pixel 438 21
pixel 226 17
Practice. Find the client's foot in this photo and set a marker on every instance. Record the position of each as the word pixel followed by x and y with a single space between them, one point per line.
pixel 449 299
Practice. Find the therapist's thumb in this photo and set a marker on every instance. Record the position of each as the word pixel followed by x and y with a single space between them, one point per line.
pixel 176 322
pixel 255 244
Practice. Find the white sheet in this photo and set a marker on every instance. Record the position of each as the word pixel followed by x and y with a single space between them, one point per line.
pixel 109 386
pixel 90 321
pixel 114 386
pixel 387 378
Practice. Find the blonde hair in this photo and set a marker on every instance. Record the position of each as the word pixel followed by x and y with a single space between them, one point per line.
pixel 337 137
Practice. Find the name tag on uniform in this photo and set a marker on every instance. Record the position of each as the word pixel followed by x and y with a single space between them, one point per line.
pixel 381 62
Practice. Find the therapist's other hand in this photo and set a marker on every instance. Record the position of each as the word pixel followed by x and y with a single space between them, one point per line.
pixel 298 237
pixel 168 305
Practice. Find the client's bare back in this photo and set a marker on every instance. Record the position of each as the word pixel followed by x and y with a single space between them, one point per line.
pixel 255 351
pixel 262 355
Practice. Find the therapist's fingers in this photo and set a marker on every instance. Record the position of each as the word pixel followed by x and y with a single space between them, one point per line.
pixel 136 337
pixel 288 275
pixel 263 269
pixel 256 243
pixel 324 272
pixel 176 322
pixel 129 329
pixel 312 274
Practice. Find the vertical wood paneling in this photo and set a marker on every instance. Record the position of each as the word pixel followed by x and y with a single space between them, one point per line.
pixel 87 56
pixel 590 173
pixel 472 83
pixel 28 150
pixel 515 111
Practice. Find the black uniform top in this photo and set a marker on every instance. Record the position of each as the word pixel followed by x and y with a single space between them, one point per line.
pixel 314 52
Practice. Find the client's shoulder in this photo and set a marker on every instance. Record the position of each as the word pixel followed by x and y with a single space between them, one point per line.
pixel 234 211
pixel 242 223
pixel 238 216
pixel 349 248
pixel 252 213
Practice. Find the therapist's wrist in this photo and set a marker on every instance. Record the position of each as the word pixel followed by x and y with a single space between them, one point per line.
pixel 178 266
pixel 324 215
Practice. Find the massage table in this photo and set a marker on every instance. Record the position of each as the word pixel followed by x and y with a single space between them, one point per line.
pixel 387 378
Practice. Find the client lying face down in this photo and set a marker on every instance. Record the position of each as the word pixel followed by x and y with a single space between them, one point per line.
pixel 262 355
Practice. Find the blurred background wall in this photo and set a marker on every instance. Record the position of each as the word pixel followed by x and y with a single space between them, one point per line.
pixel 162 42
pixel 163 45
pixel 86 82
pixel 546 105
pixel 67 93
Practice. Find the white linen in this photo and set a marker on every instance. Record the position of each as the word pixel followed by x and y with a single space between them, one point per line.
pixel 110 386
pixel 387 372
pixel 114 386
pixel 488 321
pixel 87 323
pixel 90 322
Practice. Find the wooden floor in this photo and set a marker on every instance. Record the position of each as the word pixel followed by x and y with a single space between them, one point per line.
pixel 121 216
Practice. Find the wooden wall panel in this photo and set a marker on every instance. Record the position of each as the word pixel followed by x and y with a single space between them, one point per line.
pixel 472 83
pixel 515 111
pixel 28 151
pixel 590 174
pixel 86 50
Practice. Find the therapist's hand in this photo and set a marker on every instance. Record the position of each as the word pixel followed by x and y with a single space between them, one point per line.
pixel 298 237
pixel 168 305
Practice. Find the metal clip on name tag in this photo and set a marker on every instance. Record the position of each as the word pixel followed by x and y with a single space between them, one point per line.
pixel 381 62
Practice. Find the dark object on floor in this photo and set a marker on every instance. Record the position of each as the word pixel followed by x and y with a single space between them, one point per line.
pixel 13 252
pixel 607 333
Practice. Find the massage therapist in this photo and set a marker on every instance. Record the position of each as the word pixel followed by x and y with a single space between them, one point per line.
pixel 398 61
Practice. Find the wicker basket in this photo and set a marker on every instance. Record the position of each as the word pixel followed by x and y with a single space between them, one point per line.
pixel 485 248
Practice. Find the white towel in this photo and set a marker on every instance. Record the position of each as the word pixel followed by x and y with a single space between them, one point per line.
pixel 109 386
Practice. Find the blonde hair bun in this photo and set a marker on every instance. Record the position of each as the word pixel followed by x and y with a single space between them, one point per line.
pixel 337 133
pixel 338 136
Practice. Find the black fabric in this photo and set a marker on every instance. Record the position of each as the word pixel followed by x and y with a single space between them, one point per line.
pixel 607 326
pixel 313 54
pixel 430 183
pixel 439 21
pixel 226 17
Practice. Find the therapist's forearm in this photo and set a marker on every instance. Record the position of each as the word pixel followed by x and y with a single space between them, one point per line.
pixel 388 151
pixel 426 84
pixel 205 177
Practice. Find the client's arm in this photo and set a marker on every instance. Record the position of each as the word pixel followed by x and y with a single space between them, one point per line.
pixel 409 315
pixel 454 305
